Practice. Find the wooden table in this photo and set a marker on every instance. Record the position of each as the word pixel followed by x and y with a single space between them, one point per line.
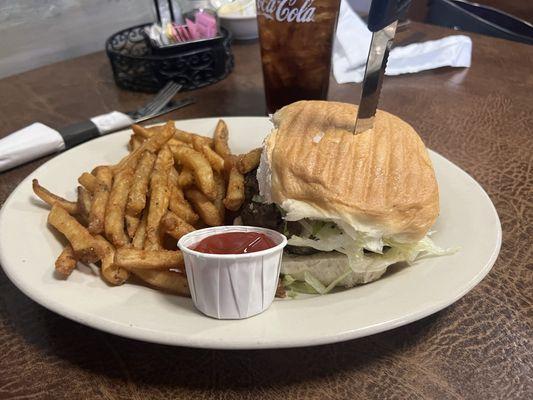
pixel 481 118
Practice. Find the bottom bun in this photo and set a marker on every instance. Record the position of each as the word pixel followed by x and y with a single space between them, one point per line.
pixel 328 266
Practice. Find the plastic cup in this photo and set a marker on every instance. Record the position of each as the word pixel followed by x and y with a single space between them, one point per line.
pixel 232 286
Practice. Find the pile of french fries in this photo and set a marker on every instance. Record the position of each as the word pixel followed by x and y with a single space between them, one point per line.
pixel 129 216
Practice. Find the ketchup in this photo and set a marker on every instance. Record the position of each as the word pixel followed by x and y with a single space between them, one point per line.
pixel 234 243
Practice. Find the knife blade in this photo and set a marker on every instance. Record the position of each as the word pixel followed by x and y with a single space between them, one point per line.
pixel 382 21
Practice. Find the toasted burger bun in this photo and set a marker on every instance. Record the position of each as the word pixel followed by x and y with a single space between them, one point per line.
pixel 380 182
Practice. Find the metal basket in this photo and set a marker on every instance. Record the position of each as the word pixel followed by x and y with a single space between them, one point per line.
pixel 139 66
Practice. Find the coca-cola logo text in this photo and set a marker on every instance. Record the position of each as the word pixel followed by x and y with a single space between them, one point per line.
pixel 286 10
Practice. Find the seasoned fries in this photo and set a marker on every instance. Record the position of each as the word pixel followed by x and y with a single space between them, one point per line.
pixel 83 244
pixel 139 188
pixel 134 259
pixel 175 226
pixel 221 140
pixel 203 173
pixel 104 177
pixel 205 209
pixel 49 198
pixel 111 272
pixel 116 207
pixel 128 216
pixel 66 262
pixel 235 193
pixel 159 198
pixel 249 161
pixel 88 181
pixel 170 281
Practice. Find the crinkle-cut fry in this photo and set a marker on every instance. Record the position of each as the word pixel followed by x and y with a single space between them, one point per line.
pixel 249 161
pixel 205 208
pixel 132 223
pixel 85 246
pixel 159 198
pixel 66 262
pixel 195 161
pixel 135 259
pixel 235 193
pixel 221 194
pixel 216 161
pixel 175 226
pixel 50 198
pixel 88 181
pixel 153 144
pixel 139 188
pixel 185 178
pixel 84 203
pixel 111 273
pixel 220 138
pixel 104 177
pixel 170 281
pixel 116 208
pixel 140 233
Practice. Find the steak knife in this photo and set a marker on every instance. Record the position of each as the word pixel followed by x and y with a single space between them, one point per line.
pixel 382 22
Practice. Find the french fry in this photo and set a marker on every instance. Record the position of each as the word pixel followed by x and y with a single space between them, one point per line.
pixel 159 198
pixel 235 193
pixel 175 226
pixel 140 233
pixel 142 133
pixel 104 177
pixel 84 202
pixel 116 207
pixel 153 144
pixel 203 173
pixel 220 138
pixel 112 273
pixel 139 188
pixel 88 181
pixel 249 161
pixel 135 259
pixel 84 245
pixel 170 281
pixel 180 206
pixel 221 194
pixel 134 143
pixel 216 161
pixel 66 262
pixel 187 137
pixel 205 209
pixel 185 178
pixel 132 223
pixel 50 198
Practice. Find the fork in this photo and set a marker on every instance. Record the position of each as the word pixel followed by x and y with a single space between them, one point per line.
pixel 158 102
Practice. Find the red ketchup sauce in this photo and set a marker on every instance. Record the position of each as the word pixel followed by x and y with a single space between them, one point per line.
pixel 234 243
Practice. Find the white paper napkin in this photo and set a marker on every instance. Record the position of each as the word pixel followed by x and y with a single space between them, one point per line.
pixel 352 41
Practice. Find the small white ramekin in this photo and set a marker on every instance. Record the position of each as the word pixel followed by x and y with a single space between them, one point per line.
pixel 232 286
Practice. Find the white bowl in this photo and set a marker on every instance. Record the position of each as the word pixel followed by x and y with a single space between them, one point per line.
pixel 232 286
pixel 242 27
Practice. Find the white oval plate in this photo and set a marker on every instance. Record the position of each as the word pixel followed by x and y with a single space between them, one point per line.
pixel 28 249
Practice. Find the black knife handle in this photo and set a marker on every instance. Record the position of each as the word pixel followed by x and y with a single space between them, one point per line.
pixel 385 12
pixel 78 133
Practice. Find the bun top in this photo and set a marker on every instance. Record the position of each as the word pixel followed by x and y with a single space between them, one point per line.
pixel 380 182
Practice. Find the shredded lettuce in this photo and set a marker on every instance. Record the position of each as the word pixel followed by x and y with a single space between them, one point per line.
pixel 327 236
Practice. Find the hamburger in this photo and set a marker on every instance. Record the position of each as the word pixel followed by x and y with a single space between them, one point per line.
pixel 350 205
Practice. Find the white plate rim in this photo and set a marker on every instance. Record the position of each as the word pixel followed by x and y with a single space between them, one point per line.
pixel 148 335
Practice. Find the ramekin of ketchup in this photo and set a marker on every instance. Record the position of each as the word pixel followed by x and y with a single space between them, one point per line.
pixel 232 271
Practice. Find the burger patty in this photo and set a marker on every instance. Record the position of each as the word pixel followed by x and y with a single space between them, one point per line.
pixel 256 213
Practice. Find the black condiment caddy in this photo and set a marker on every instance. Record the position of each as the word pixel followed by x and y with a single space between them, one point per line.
pixel 138 65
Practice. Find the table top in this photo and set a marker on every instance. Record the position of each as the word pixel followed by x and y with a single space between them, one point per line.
pixel 481 118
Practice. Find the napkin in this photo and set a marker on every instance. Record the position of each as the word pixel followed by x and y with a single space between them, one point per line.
pixel 352 41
